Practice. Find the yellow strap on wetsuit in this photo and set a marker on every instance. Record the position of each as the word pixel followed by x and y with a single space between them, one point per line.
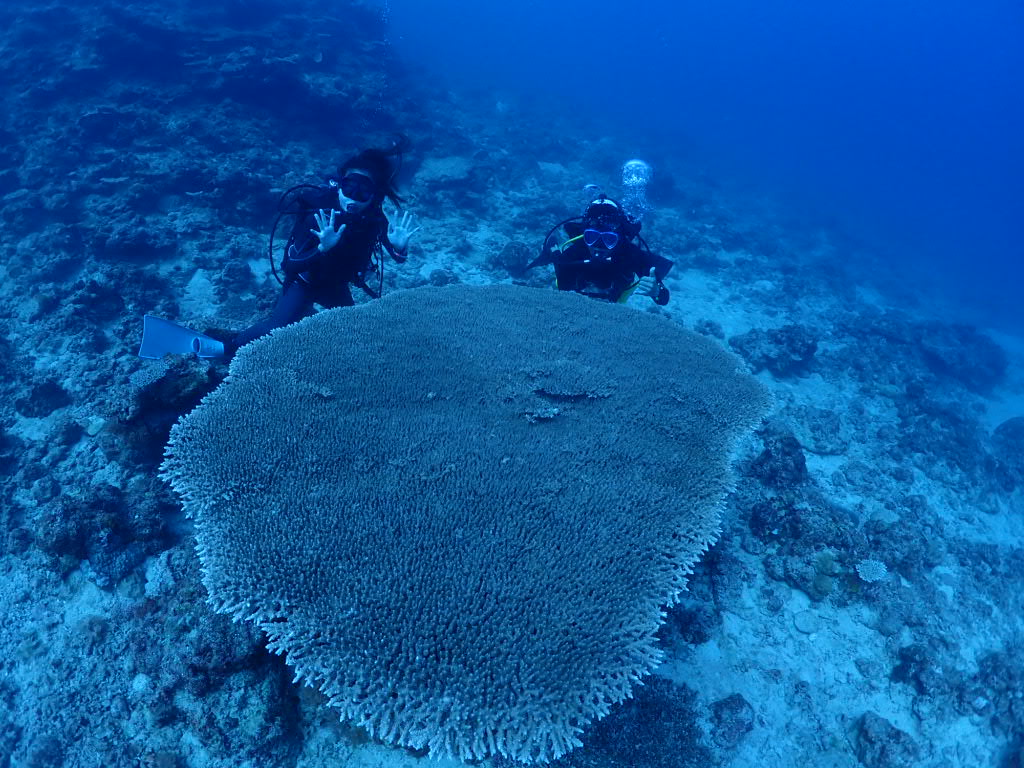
pixel 627 293
pixel 561 249
pixel 563 246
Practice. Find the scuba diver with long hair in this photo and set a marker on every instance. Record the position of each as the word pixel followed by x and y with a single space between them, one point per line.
pixel 339 228
pixel 601 254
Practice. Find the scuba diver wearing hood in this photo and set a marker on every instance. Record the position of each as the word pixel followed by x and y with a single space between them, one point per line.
pixel 601 254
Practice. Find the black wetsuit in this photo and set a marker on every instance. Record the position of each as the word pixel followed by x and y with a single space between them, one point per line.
pixel 610 276
pixel 323 277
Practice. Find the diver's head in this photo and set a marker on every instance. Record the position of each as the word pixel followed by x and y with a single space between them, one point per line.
pixel 365 179
pixel 605 225
pixel 357 191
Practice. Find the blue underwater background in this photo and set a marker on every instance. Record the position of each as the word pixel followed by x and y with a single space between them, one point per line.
pixel 898 122
pixel 840 189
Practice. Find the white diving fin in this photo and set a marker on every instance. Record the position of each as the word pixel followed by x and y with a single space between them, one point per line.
pixel 162 337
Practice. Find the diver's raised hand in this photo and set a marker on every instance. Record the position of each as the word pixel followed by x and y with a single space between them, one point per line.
pixel 400 233
pixel 329 236
pixel 647 285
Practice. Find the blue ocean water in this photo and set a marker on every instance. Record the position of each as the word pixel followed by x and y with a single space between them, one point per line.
pixel 901 122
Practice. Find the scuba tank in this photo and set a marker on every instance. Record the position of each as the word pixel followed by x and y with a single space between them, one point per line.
pixel 287 205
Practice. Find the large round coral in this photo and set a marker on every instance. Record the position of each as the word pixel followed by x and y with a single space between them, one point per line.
pixel 460 511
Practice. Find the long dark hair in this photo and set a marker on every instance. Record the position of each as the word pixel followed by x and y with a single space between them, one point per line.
pixel 382 166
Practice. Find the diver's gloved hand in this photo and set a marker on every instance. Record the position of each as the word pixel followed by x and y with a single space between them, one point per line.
pixel 647 286
pixel 400 233
pixel 328 235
